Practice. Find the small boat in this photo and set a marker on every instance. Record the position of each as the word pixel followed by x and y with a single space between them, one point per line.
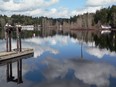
pixel 105 27
pixel 105 31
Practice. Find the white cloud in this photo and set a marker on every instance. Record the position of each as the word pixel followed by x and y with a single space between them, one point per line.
pixel 33 8
pixel 6 0
pixel 100 2
pixel 25 5
pixel 37 8
pixel 53 12
pixel 93 5
pixel 86 10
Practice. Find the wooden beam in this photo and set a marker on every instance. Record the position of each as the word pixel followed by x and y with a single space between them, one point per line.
pixel 10 44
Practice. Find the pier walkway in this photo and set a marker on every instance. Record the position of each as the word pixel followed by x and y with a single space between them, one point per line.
pixel 14 54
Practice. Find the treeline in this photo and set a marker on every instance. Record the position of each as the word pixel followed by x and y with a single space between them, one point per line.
pixel 27 20
pixel 22 19
pixel 105 16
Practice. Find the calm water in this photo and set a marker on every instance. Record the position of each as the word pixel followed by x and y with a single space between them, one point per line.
pixel 82 59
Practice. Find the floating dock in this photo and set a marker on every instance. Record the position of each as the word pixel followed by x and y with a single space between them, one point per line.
pixel 15 55
pixel 7 58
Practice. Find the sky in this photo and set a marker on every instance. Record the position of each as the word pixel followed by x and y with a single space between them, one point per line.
pixel 52 8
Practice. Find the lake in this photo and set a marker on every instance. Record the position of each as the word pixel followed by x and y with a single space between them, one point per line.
pixel 78 59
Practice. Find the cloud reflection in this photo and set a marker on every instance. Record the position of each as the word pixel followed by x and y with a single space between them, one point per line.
pixel 38 49
pixel 99 53
pixel 2 45
pixel 62 83
pixel 87 71
pixel 42 45
pixel 54 40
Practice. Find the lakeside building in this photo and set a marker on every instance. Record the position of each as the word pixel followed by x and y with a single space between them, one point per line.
pixel 28 27
pixel 31 27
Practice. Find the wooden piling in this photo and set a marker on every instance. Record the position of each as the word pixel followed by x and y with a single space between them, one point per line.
pixel 10 47
pixel 17 32
pixel 6 35
pixel 20 45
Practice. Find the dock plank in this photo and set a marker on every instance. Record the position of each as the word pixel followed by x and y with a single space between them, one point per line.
pixel 14 54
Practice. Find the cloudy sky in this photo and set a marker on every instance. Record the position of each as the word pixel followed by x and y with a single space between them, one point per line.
pixel 52 8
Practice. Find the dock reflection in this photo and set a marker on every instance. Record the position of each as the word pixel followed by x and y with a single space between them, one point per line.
pixel 10 76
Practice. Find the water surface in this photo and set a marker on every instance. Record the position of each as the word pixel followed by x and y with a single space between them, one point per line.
pixel 81 59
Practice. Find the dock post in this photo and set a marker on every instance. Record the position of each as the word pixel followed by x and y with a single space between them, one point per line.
pixel 19 71
pixel 10 47
pixel 6 37
pixel 17 31
pixel 8 30
pixel 20 40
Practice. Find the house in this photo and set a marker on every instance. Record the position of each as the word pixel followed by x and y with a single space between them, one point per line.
pixel 31 27
pixel 28 27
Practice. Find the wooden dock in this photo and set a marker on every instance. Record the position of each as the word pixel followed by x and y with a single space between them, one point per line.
pixel 10 54
pixel 14 55
pixel 8 58
pixel 26 52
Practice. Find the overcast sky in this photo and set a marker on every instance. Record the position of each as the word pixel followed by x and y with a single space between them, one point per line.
pixel 52 8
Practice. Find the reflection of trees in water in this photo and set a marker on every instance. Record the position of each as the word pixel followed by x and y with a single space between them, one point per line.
pixel 107 41
pixel 82 36
pixel 87 35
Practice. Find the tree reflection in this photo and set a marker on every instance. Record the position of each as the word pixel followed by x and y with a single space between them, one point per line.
pixel 107 41
pixel 103 41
